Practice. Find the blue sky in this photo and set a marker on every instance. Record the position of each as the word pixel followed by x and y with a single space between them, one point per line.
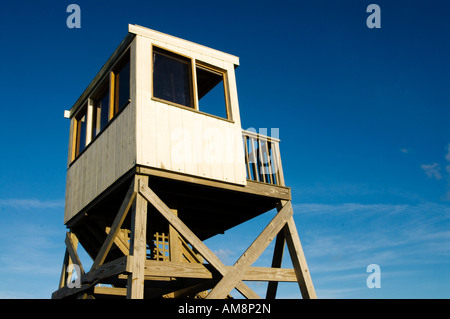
pixel 362 114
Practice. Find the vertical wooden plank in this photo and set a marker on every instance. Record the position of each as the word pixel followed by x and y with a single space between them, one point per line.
pixel 254 159
pixel 247 163
pixel 279 166
pixel 269 162
pixel 145 112
pixel 214 145
pixel 262 170
pixel 138 246
pixel 112 98
pixel 162 136
pixel 274 158
pixel 175 136
pixel 238 156
pixel 228 150
pixel 71 151
pixel 203 157
pixel 190 152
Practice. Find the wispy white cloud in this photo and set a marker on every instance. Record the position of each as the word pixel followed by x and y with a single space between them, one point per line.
pixel 405 150
pixel 447 156
pixel 341 240
pixel 26 203
pixel 351 235
pixel 432 170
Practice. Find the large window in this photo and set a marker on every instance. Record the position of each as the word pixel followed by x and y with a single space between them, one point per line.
pixel 172 78
pixel 211 91
pixel 173 81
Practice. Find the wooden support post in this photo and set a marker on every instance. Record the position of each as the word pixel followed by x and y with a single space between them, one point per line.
pixel 138 246
pixel 299 260
pixel 65 272
pixel 276 263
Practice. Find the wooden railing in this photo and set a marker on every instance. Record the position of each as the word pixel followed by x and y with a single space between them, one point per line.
pixel 262 158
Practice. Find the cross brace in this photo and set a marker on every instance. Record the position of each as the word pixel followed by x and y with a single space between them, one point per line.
pixel 215 275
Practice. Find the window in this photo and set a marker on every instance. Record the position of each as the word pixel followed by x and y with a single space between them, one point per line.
pixel 101 111
pixel 107 105
pixel 107 100
pixel 173 82
pixel 211 91
pixel 121 85
pixel 172 77
pixel 80 131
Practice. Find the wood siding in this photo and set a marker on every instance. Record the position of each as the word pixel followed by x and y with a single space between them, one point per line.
pixel 105 160
pixel 183 140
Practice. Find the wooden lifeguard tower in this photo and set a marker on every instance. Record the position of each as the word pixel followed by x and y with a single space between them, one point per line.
pixel 158 162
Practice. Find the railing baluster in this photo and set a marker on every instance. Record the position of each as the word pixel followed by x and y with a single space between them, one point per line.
pixel 254 161
pixel 263 161
pixel 249 176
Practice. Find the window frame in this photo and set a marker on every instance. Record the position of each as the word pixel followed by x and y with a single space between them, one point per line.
pixel 182 58
pixel 194 63
pixel 102 90
pixel 76 138
pixel 224 74
pixel 115 106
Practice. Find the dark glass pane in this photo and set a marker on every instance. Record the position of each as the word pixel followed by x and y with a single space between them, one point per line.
pixel 211 92
pixel 171 79
pixel 123 86
pixel 81 132
pixel 101 113
pixel 104 107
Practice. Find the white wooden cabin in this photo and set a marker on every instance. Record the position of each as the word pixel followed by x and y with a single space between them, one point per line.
pixel 158 162
pixel 151 106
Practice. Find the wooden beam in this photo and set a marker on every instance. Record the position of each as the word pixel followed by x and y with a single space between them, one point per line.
pixel 229 281
pixel 67 273
pixel 115 227
pixel 276 263
pixel 204 271
pixel 73 254
pixel 138 245
pixel 109 269
pixel 189 236
pixel 174 243
pixel 110 291
pixel 299 260
pixel 252 187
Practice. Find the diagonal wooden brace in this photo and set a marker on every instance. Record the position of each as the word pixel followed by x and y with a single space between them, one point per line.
pixel 229 281
pixel 190 237
pixel 115 227
pixel 298 260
